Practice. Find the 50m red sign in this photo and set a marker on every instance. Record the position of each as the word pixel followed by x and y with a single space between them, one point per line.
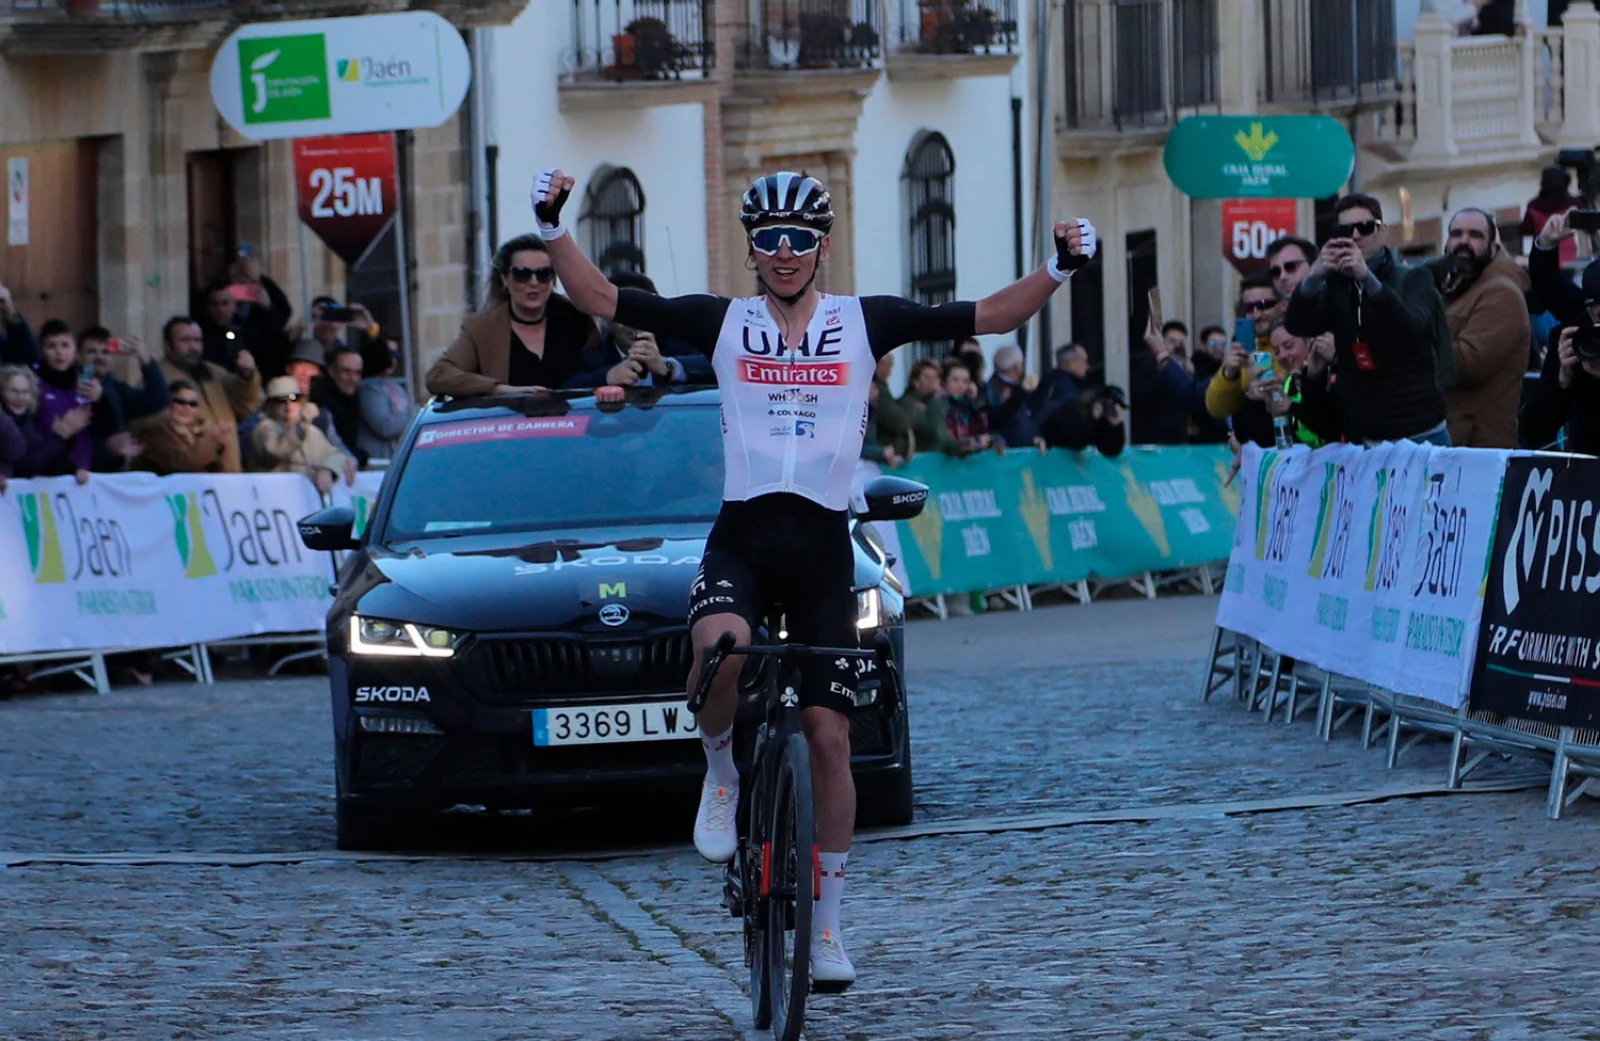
pixel 1250 225
pixel 347 189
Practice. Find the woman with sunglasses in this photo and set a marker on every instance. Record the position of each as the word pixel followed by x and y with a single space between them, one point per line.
pixel 795 367
pixel 185 441
pixel 527 336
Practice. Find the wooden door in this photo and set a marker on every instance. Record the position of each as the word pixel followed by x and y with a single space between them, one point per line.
pixel 56 273
pixel 211 220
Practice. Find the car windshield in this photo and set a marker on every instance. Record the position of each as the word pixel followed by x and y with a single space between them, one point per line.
pixel 580 469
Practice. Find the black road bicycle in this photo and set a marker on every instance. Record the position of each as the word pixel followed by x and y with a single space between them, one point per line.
pixel 775 874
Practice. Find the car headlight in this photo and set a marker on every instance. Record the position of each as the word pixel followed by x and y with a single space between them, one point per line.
pixel 869 608
pixel 401 639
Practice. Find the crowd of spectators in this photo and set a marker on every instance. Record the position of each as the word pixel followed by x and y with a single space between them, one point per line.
pixel 238 386
pixel 1479 347
pixel 948 407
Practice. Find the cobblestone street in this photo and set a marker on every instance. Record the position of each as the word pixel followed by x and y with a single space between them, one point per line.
pixel 1467 916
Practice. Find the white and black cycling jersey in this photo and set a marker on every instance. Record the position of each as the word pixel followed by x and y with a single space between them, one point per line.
pixel 794 415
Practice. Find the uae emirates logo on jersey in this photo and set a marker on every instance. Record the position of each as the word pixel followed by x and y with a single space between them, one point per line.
pixel 813 374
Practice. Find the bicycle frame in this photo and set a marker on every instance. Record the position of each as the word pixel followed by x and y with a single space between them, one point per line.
pixel 748 879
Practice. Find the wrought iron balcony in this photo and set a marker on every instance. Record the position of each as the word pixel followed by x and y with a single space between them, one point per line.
pixel 1137 65
pixel 45 27
pixel 1329 52
pixel 640 40
pixel 810 34
pixel 66 27
pixel 957 27
pixel 127 10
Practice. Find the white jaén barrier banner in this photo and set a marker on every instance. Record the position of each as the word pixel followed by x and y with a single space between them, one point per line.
pixel 140 561
pixel 1367 562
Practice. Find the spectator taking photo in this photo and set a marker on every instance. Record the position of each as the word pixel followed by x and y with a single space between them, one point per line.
pixel 1564 405
pixel 1388 326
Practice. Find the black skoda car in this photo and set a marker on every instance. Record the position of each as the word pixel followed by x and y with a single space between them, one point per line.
pixel 510 630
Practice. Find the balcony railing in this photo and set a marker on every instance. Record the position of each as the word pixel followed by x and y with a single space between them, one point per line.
pixel 1135 64
pixel 112 9
pixel 1328 51
pixel 621 40
pixel 810 34
pixel 957 27
pixel 1480 94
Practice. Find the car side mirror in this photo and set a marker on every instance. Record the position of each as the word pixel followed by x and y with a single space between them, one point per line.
pixel 893 498
pixel 329 530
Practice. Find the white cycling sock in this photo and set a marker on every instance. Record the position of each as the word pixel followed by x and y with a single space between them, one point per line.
pixel 720 768
pixel 827 908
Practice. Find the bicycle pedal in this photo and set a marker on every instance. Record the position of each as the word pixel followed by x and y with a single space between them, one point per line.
pixel 830 986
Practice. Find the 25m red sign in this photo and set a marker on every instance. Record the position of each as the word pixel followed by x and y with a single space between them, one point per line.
pixel 347 189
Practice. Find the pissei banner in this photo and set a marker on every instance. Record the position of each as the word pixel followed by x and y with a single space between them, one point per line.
pixel 1539 649
pixel 136 560
pixel 1029 519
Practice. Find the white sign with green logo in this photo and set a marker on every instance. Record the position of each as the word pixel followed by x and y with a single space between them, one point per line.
pixel 341 75
pixel 132 560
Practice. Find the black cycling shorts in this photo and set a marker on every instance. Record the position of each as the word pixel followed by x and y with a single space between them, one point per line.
pixel 784 548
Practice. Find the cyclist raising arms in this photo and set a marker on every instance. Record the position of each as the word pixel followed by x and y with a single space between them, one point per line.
pixel 795 367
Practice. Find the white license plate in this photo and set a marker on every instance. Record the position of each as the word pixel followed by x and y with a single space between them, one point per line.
pixel 613 724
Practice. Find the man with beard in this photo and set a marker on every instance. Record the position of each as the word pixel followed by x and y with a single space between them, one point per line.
pixel 1484 302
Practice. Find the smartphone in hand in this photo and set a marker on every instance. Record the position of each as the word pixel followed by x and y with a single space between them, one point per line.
pixel 1583 220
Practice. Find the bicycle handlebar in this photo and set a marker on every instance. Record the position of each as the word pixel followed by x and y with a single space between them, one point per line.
pixel 726 646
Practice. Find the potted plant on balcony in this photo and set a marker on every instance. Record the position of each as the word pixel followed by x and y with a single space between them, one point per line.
pixel 977 27
pixel 822 39
pixel 940 33
pixel 643 50
pixel 653 46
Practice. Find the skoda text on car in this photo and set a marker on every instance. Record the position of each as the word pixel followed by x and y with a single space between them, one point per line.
pixel 511 629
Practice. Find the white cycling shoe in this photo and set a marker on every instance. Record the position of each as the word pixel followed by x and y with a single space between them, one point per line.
pixel 714 833
pixel 831 971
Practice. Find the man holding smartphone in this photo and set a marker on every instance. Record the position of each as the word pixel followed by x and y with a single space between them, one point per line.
pixel 1388 326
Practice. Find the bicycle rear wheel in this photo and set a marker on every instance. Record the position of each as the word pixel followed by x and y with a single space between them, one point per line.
pixel 791 883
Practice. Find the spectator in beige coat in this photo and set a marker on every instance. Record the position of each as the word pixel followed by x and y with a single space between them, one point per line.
pixel 186 442
pixel 1484 302
pixel 283 442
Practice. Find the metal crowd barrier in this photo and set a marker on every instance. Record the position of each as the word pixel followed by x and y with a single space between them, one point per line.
pixel 1206 580
pixel 1266 681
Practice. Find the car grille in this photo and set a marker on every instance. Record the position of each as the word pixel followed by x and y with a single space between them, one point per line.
pixel 515 671
pixel 396 759
pixel 486 759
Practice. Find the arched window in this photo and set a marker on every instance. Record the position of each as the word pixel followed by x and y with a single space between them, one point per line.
pixel 613 220
pixel 929 178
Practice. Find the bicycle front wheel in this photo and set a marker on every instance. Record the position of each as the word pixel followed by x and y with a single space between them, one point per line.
pixel 751 844
pixel 790 860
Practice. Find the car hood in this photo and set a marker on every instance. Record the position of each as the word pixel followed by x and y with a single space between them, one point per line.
pixel 610 580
